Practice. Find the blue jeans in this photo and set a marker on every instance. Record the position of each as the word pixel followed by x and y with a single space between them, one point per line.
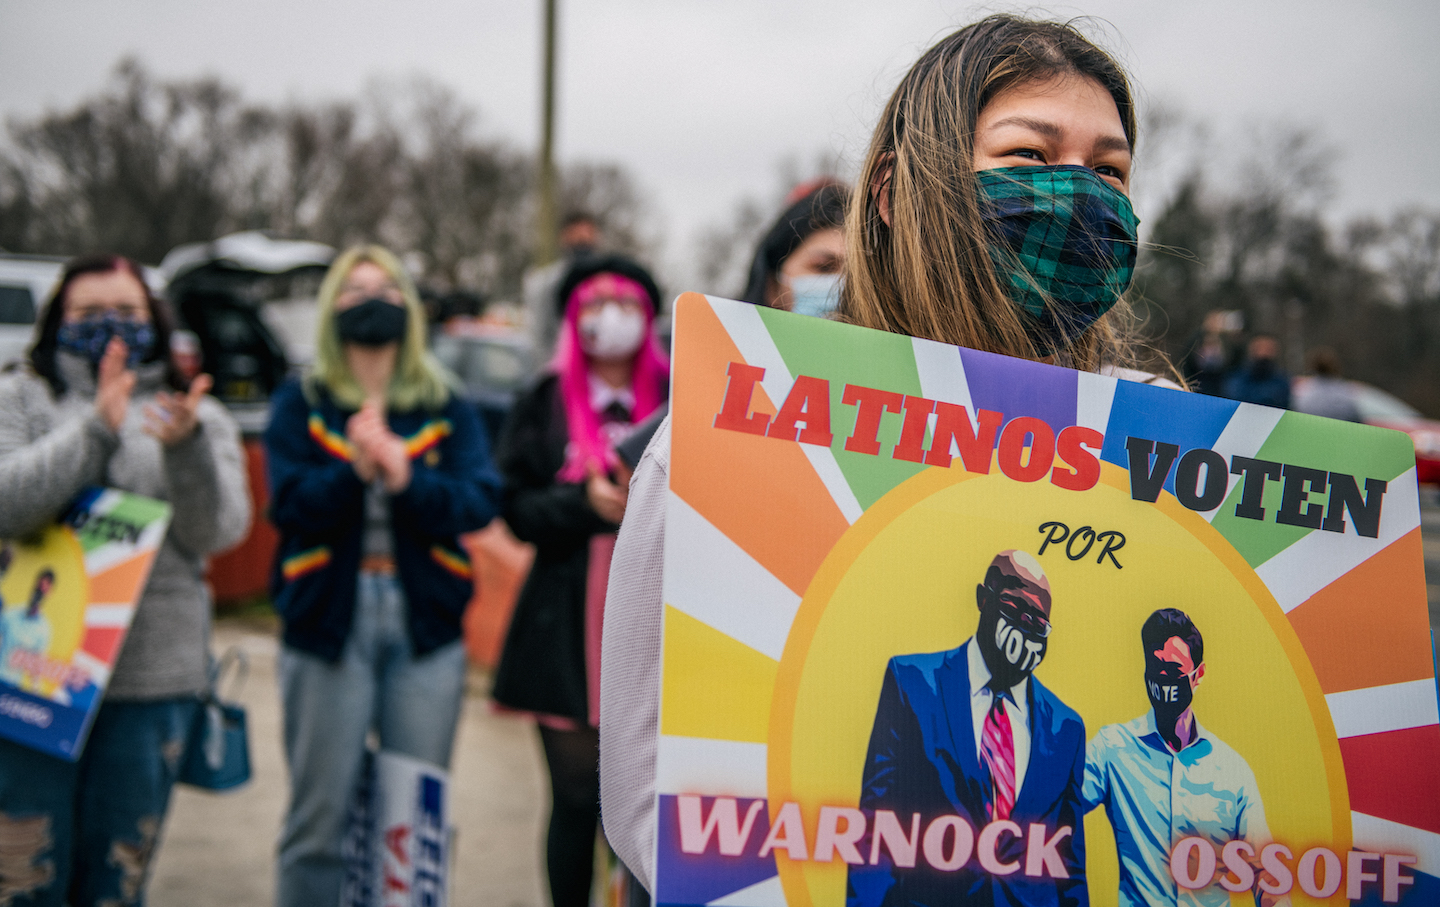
pixel 86 832
pixel 411 703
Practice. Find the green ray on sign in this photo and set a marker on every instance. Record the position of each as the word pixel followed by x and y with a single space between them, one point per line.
pixel 1295 439
pixel 823 353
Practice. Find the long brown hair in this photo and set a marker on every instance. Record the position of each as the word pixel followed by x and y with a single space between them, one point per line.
pixel 929 272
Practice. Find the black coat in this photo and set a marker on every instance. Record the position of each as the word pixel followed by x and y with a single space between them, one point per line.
pixel 543 666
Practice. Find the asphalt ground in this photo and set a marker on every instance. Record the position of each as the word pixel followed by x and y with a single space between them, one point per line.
pixel 219 849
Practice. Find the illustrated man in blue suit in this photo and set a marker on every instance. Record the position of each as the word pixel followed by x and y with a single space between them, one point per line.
pixel 969 733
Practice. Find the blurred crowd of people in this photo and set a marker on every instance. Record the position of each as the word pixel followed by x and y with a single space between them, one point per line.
pixel 376 468
pixel 1223 362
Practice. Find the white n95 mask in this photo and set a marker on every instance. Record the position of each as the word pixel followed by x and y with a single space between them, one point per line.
pixel 614 332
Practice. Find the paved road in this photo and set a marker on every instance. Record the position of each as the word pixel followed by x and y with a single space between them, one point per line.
pixel 219 849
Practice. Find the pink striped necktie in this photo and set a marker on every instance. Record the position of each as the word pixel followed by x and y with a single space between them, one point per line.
pixel 997 752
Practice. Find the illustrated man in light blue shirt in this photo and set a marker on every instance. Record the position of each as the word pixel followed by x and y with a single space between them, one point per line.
pixel 1163 777
pixel 25 629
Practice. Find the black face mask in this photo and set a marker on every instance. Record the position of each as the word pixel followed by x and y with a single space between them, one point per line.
pixel 374 322
pixel 1010 652
pixel 1170 692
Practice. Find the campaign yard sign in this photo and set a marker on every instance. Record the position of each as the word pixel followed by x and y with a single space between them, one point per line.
pixel 946 627
pixel 397 838
pixel 67 597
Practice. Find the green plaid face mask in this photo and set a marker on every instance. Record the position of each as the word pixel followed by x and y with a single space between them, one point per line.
pixel 1064 242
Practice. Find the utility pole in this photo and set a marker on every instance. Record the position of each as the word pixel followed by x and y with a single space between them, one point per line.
pixel 547 220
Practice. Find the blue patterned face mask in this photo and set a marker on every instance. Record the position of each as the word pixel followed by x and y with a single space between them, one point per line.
pixel 89 338
pixel 816 295
pixel 1063 242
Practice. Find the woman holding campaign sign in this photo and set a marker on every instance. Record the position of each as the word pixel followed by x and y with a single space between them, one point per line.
pixel 797 267
pixel 100 403
pixel 565 493
pixel 376 468
pixel 992 212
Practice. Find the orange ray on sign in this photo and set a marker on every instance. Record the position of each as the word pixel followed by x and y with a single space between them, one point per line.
pixel 761 492
pixel 1353 648
pixel 122 582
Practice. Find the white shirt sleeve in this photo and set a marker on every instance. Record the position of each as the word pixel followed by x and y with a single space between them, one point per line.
pixel 1097 771
pixel 630 666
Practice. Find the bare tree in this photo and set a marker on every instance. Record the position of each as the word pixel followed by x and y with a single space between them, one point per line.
pixel 1411 252
pixel 724 250
pixel 139 169
pixel 1412 247
pixel 463 200
pixel 1252 234
pixel 146 165
pixel 609 194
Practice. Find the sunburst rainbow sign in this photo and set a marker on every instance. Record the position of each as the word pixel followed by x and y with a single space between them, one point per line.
pixel 837 498
pixel 69 596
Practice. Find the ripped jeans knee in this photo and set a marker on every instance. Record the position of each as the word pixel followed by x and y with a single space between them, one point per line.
pixel 88 831
pixel 26 861
pixel 132 857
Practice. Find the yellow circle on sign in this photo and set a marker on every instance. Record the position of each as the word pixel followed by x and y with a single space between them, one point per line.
pixel 903 579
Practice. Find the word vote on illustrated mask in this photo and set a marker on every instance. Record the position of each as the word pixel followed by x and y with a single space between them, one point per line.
pixel 1012 645
pixel 1169 689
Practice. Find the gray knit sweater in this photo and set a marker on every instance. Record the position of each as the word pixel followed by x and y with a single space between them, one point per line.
pixel 51 448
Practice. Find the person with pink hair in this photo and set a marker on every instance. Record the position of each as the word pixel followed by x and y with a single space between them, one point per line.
pixel 565 492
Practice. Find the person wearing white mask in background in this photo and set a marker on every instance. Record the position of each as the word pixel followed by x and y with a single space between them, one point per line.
pixel 797 267
pixel 798 264
pixel 565 492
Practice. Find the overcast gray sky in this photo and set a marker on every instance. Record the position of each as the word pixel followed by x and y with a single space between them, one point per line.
pixel 701 100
